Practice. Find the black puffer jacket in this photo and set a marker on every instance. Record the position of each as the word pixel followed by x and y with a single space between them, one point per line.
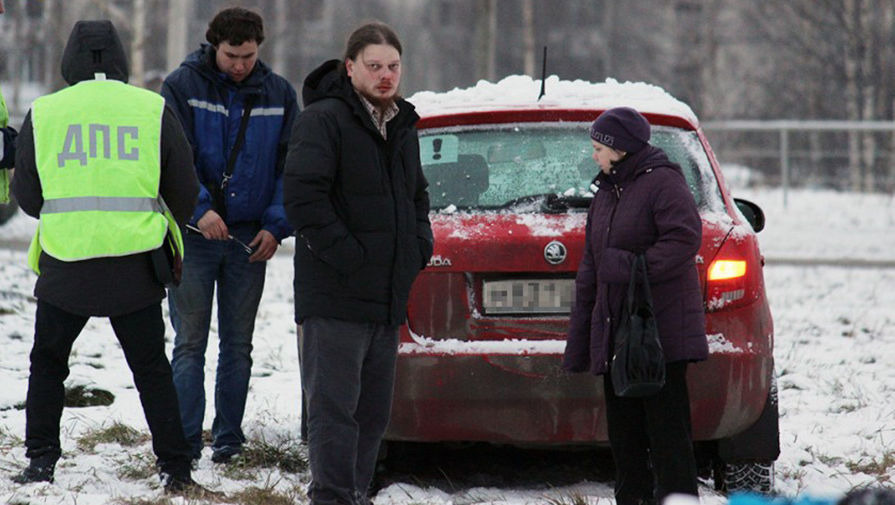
pixel 358 203
pixel 105 286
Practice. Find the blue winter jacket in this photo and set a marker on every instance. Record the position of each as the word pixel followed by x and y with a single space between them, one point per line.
pixel 210 106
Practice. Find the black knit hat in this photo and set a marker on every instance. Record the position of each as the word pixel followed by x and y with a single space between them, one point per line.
pixel 621 128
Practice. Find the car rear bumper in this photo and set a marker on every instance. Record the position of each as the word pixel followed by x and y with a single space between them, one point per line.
pixel 527 399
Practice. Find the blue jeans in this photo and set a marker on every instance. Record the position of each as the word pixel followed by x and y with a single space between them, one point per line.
pixel 239 288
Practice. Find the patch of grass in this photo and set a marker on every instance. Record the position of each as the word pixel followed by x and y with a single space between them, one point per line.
pixel 8 438
pixel 265 496
pixel 258 454
pixel 138 467
pixel 81 396
pixel 145 501
pixel 874 467
pixel 829 460
pixel 116 433
pixel 567 499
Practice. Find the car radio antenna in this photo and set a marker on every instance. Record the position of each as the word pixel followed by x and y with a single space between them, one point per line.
pixel 543 74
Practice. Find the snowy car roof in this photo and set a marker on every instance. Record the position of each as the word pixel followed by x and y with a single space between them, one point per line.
pixel 520 91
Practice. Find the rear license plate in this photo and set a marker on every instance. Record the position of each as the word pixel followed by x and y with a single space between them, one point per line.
pixel 528 296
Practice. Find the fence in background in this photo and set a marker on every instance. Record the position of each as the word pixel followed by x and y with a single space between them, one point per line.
pixel 855 155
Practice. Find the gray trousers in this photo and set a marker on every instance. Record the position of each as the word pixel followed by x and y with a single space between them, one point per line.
pixel 348 376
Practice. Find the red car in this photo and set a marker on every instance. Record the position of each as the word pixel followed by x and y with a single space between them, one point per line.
pixel 509 182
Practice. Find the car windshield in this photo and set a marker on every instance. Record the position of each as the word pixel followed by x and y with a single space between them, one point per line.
pixel 539 167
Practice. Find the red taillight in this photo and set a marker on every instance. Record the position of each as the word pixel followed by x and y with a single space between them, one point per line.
pixel 721 269
pixel 734 276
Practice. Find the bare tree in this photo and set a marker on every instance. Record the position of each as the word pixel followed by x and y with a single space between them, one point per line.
pixel 610 19
pixel 138 44
pixel 283 30
pixel 528 36
pixel 16 60
pixel 689 16
pixel 486 37
pixel 179 13
pixel 838 55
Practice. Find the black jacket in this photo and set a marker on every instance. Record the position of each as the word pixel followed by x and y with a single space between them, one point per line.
pixel 8 152
pixel 105 286
pixel 358 203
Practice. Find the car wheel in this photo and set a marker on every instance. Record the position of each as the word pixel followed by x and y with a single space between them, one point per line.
pixel 8 210
pixel 745 462
pixel 757 476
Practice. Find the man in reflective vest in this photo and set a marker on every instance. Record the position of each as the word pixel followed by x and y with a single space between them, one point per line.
pixel 7 145
pixel 107 169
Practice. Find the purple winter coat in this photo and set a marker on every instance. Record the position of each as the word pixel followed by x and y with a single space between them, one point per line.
pixel 644 205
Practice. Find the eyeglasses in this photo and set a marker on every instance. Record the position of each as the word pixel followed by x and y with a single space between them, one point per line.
pixel 242 244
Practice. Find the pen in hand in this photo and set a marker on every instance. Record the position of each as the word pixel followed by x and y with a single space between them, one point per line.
pixel 230 237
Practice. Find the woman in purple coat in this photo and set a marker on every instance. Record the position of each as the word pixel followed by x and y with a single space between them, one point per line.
pixel 641 205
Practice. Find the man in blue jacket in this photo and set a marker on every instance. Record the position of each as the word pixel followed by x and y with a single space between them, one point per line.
pixel 238 115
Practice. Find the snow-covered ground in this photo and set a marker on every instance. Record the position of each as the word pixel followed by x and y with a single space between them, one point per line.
pixel 825 225
pixel 835 352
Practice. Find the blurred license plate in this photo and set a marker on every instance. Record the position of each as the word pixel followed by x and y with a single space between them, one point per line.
pixel 528 296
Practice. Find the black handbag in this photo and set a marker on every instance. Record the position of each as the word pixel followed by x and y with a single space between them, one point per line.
pixel 638 365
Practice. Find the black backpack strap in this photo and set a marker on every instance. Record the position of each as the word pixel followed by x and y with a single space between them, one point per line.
pixel 218 193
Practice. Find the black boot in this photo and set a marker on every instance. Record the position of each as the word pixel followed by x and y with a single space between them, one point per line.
pixel 182 484
pixel 40 469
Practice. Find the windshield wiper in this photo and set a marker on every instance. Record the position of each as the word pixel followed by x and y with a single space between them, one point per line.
pixel 548 202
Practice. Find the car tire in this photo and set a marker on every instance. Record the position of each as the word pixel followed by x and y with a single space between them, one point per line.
pixel 8 210
pixel 746 462
pixel 756 477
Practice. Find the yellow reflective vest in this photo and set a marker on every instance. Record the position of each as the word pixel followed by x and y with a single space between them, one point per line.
pixel 97 151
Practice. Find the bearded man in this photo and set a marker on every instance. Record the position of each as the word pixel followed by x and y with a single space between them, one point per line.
pixel 355 193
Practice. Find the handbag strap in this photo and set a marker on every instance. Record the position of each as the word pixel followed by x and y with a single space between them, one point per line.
pixel 644 281
pixel 632 284
pixel 639 279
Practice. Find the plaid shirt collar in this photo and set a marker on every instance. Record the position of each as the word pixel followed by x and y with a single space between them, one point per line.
pixel 379 119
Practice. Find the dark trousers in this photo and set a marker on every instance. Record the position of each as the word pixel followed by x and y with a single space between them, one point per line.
pixel 142 337
pixel 348 376
pixel 651 441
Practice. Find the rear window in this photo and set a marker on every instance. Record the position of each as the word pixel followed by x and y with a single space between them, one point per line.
pixel 513 166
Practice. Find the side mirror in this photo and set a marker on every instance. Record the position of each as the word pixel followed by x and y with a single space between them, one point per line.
pixel 752 212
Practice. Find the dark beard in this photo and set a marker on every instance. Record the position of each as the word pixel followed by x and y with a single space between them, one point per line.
pixel 381 105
